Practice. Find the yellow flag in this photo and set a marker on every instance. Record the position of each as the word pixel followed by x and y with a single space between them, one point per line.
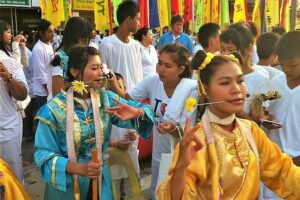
pixel 256 16
pixel 287 24
pixel 215 11
pixel 206 11
pixel 101 14
pixel 181 7
pixel 270 14
pixel 164 13
pixel 69 8
pixel 239 13
pixel 43 9
pixel 55 12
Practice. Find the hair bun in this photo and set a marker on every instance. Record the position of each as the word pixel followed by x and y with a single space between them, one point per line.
pixel 198 59
pixel 56 60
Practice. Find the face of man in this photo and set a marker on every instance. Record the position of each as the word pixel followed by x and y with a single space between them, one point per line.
pixel 177 28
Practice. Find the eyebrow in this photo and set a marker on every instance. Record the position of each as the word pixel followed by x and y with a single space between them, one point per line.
pixel 226 77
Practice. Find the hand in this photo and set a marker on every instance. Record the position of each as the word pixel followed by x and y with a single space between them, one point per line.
pixel 270 117
pixel 91 169
pixel 131 135
pixel 166 127
pixel 20 39
pixel 124 112
pixel 4 72
pixel 121 144
pixel 189 145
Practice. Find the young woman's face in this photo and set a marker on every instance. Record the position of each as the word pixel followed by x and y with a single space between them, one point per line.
pixel 167 70
pixel 148 37
pixel 227 84
pixel 7 36
pixel 291 68
pixel 93 72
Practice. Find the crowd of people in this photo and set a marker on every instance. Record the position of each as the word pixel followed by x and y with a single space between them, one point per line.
pixel 78 92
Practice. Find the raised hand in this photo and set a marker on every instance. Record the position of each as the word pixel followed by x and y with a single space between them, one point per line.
pixel 124 111
pixel 189 145
pixel 166 127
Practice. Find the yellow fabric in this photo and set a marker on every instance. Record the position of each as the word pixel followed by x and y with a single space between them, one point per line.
pixel 101 13
pixel 43 9
pixel 239 13
pixel 206 7
pixel 12 187
pixel 271 14
pixel 164 13
pixel 215 13
pixel 55 12
pixel 237 167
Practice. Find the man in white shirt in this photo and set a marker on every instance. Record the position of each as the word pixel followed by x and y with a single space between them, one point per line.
pixel 93 42
pixel 119 51
pixel 42 55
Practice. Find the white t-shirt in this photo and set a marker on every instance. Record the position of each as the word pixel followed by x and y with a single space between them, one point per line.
pixel 123 58
pixel 9 119
pixel 256 83
pixel 118 171
pixel 287 112
pixel 254 57
pixel 272 71
pixel 151 87
pixel 149 60
pixel 261 69
pixel 42 55
pixel 94 44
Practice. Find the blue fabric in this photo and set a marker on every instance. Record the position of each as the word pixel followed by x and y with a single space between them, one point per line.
pixel 51 144
pixel 168 38
pixel 153 14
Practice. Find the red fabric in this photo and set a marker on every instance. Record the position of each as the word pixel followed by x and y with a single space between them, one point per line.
pixel 144 11
pixel 174 7
pixel 188 10
pixel 282 17
pixel 110 11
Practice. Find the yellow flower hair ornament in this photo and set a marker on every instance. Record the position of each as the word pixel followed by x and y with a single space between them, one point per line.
pixel 190 104
pixel 79 86
pixel 233 58
pixel 207 60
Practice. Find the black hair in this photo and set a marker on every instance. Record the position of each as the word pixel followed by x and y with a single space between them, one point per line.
pixel 265 44
pixel 126 9
pixel 43 26
pixel 180 57
pixel 251 26
pixel 77 29
pixel 211 68
pixel 4 26
pixel 238 35
pixel 287 47
pixel 279 30
pixel 139 34
pixel 176 18
pixel 119 76
pixel 78 59
pixel 207 31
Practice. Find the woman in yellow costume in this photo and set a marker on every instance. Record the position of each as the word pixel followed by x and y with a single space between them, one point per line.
pixel 225 157
pixel 10 187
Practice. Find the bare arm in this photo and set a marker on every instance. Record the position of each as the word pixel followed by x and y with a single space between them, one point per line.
pixel 17 89
pixel 58 84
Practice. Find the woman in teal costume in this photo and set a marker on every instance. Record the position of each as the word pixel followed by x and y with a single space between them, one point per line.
pixel 51 151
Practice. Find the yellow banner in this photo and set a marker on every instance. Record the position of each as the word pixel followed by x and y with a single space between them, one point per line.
pixel 101 13
pixel 215 13
pixel 83 5
pixel 256 16
pixel 206 11
pixel 55 12
pixel 43 9
pixel 239 13
pixel 164 13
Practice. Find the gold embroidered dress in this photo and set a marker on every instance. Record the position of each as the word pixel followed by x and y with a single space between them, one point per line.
pixel 236 175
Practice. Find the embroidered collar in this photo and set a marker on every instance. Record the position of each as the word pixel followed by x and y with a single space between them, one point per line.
pixel 215 119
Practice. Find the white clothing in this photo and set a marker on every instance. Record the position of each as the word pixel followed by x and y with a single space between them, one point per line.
pixel 197 47
pixel 123 58
pixel 28 71
pixel 151 87
pixel 149 60
pixel 256 83
pixel 42 55
pixel 262 70
pixel 118 171
pixel 272 71
pixel 98 39
pixel 254 56
pixel 9 126
pixel 56 41
pixel 287 112
pixel 94 44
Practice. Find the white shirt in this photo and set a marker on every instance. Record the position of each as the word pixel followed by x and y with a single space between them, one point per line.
pixel 287 112
pixel 149 60
pixel 256 83
pixel 94 44
pixel 28 71
pixel 151 87
pixel 272 71
pixel 254 56
pixel 9 118
pixel 42 55
pixel 123 58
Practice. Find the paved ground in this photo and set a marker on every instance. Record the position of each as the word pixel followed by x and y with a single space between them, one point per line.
pixel 35 184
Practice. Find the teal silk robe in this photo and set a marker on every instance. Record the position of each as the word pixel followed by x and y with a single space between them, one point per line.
pixel 51 145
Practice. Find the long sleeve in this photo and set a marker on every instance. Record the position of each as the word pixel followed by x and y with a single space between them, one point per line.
pixel 143 125
pixel 277 170
pixel 48 153
pixel 40 68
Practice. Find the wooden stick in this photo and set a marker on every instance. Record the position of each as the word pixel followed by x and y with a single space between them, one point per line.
pixel 95 183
